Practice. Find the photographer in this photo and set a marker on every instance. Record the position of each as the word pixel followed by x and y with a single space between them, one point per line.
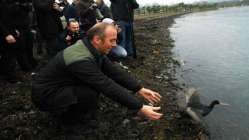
pixel 70 35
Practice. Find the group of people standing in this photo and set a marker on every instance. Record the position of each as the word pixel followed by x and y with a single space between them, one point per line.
pixel 22 21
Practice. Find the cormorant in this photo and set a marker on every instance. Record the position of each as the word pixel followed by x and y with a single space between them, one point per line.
pixel 191 104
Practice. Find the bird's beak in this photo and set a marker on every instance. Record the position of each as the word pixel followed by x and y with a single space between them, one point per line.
pixel 225 104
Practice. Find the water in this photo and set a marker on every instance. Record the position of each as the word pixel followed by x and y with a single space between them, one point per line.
pixel 215 47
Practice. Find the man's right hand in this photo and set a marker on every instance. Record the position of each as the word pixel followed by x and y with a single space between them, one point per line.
pixel 150 112
pixel 10 39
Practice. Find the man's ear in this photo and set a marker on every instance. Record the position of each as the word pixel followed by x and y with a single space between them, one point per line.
pixel 96 39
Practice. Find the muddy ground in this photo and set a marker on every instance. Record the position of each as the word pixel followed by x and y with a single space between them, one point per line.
pixel 155 67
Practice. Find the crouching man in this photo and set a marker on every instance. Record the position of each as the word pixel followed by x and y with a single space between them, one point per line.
pixel 72 81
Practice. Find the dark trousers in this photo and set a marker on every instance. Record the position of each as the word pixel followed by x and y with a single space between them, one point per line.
pixel 51 47
pixel 20 52
pixel 23 50
pixel 87 100
pixel 7 63
pixel 29 49
pixel 69 103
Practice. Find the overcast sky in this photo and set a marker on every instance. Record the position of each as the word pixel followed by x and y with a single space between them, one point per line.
pixel 163 2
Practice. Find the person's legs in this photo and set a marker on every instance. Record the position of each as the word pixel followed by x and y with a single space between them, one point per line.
pixel 8 65
pixel 21 55
pixel 128 40
pixel 84 107
pixel 127 35
pixel 29 49
pixel 74 109
pixel 122 25
pixel 8 61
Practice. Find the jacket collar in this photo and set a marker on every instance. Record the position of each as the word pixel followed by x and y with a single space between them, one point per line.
pixel 97 55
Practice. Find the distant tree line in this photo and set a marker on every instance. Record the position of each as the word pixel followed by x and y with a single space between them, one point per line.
pixel 182 7
pixel 245 2
pixel 233 3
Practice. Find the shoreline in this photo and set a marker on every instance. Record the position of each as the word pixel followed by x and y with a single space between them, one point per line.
pixel 157 68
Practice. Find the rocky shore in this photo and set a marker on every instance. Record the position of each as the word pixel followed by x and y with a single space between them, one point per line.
pixel 155 67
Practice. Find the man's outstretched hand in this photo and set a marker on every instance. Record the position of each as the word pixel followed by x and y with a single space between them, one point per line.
pixel 149 95
pixel 150 112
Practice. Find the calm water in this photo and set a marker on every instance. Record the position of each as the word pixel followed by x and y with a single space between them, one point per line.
pixel 215 47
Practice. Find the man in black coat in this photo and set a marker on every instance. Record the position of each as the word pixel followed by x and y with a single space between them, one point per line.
pixel 74 78
pixel 48 14
pixel 14 32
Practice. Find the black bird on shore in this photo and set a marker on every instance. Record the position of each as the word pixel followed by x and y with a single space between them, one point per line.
pixel 190 103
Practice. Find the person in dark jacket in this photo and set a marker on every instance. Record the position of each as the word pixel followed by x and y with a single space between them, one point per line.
pixel 70 11
pixel 48 14
pixel 14 32
pixel 86 10
pixel 123 14
pixel 74 78
pixel 70 35
pixel 104 9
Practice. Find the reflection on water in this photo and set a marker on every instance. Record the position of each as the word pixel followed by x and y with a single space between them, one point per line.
pixel 215 46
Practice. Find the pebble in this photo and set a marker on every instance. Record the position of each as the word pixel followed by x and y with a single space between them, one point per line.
pixel 126 122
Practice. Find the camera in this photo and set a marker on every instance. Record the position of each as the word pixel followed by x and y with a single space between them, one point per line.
pixel 75 36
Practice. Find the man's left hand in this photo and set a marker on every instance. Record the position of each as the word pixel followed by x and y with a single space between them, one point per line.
pixel 149 95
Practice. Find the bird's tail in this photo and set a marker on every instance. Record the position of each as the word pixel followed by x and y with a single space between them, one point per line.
pixel 194 115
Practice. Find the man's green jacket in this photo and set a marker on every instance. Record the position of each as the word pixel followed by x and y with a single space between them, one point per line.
pixel 82 65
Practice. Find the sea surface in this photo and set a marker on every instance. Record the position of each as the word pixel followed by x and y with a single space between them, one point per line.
pixel 214 49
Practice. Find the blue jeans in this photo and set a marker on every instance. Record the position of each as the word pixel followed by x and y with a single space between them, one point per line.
pixel 118 51
pixel 127 36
